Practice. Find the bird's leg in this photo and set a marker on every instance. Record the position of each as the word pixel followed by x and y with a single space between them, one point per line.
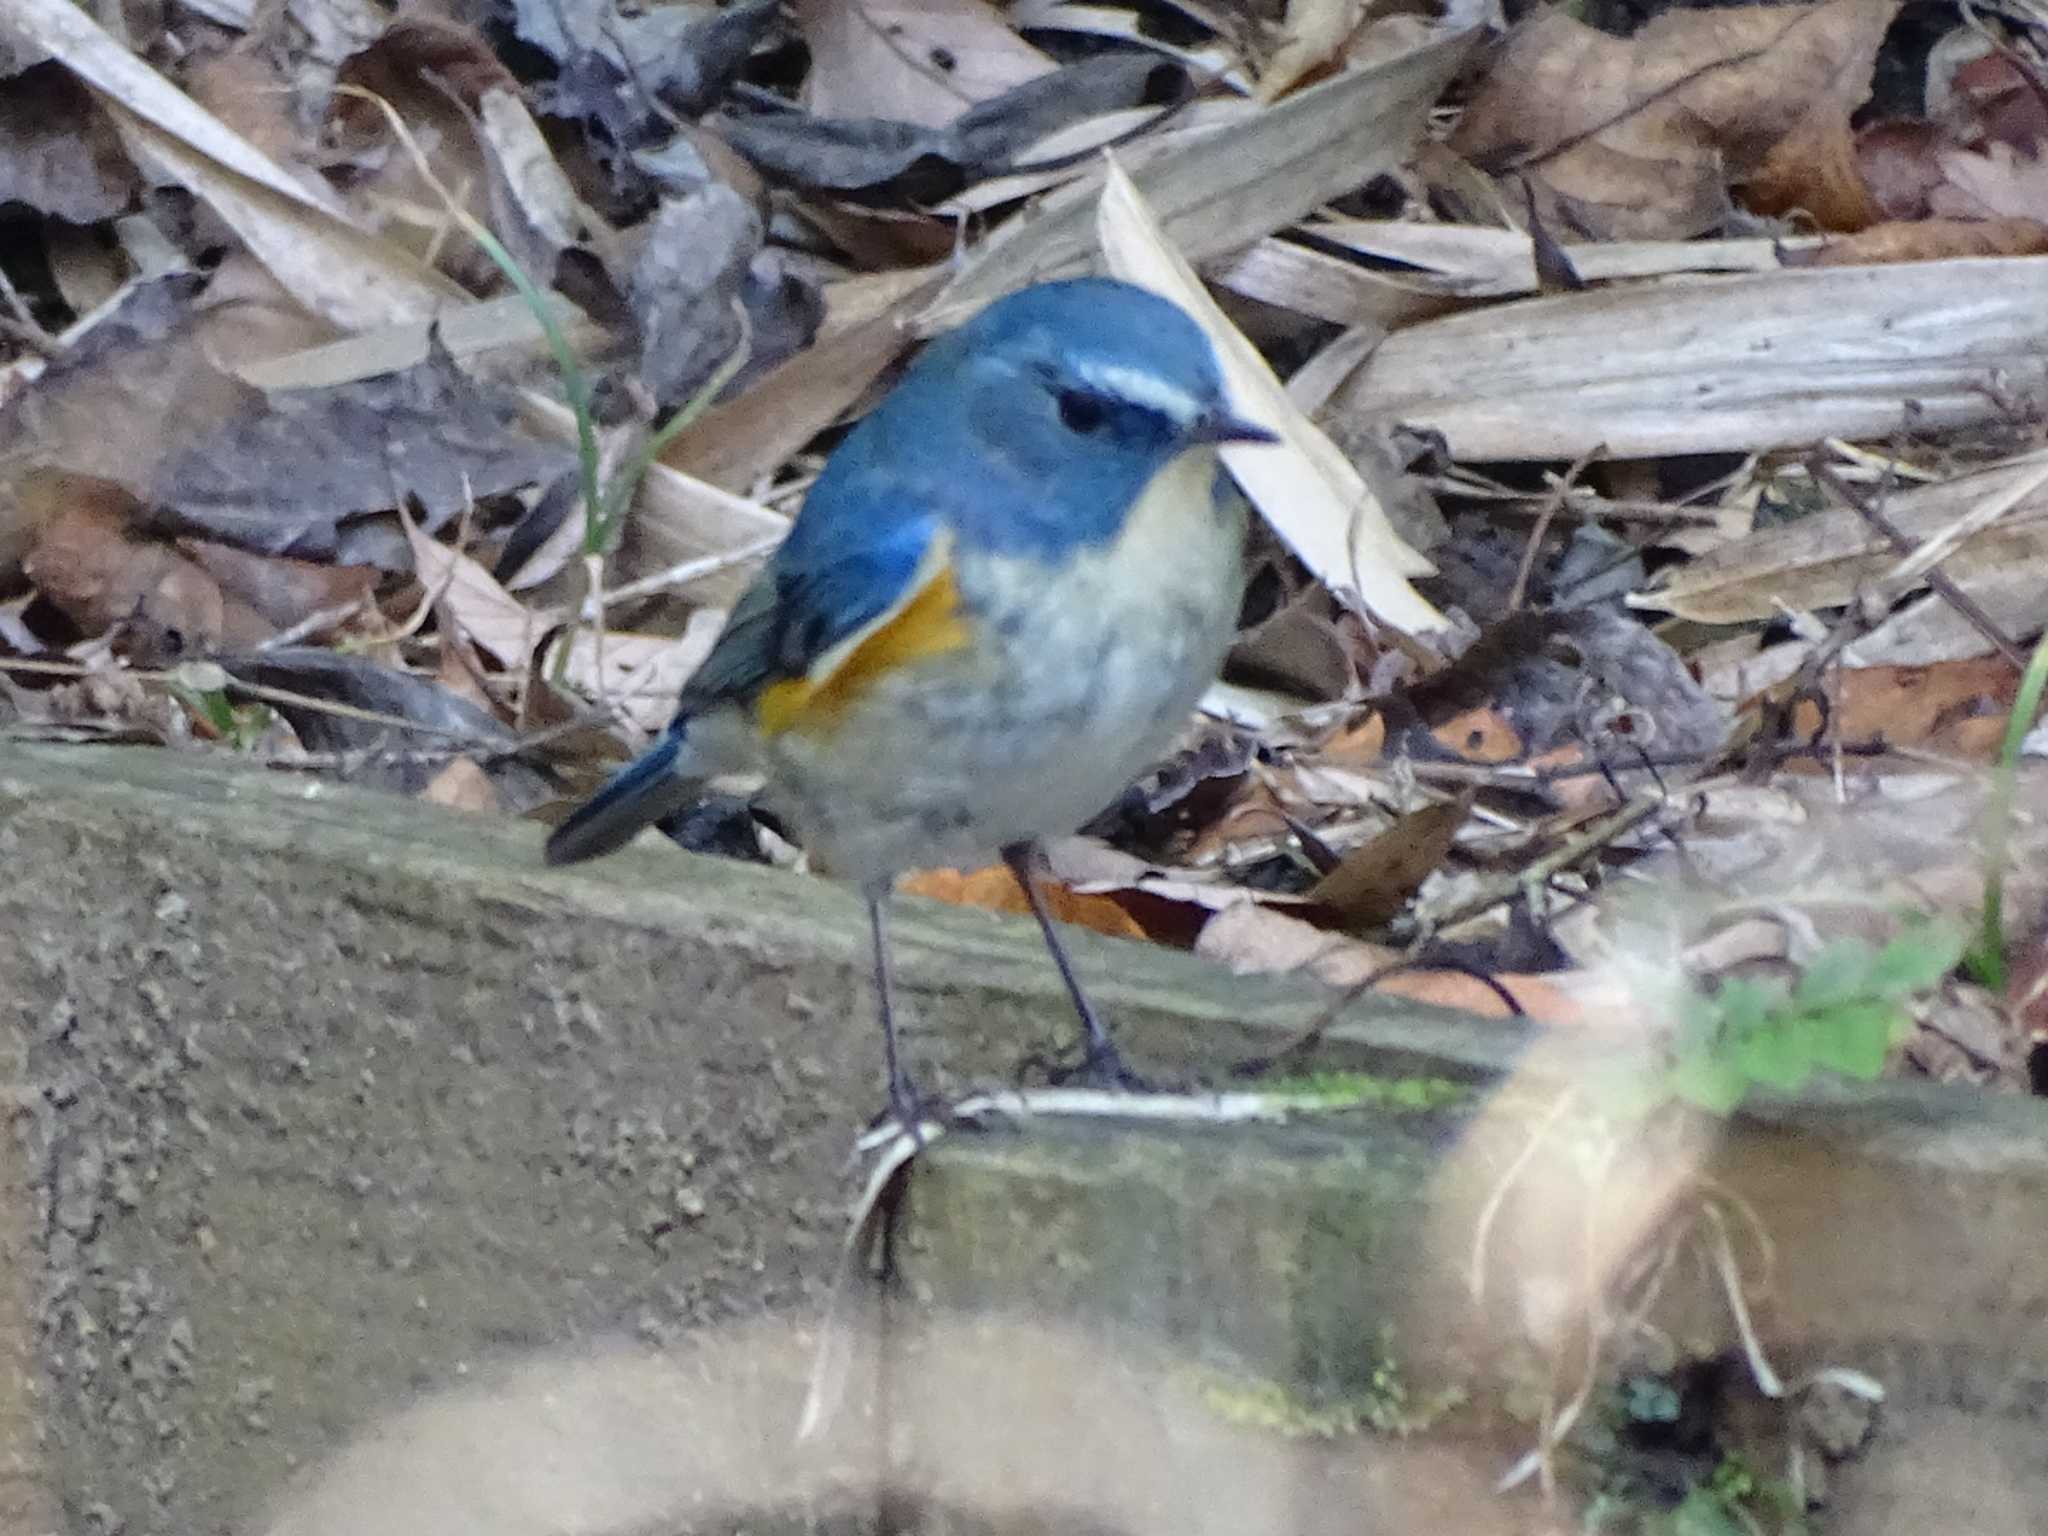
pixel 905 1102
pixel 1103 1063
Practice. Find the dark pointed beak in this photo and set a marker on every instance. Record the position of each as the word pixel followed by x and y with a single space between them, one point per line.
pixel 1222 427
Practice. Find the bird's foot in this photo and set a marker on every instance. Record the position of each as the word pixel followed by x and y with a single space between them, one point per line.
pixel 911 1110
pixel 1101 1066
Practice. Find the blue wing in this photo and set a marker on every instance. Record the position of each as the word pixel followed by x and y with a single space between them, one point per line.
pixel 638 795
pixel 846 562
pixel 825 583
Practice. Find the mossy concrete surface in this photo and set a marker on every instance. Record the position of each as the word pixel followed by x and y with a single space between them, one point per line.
pixel 325 1098
pixel 1429 1268
pixel 328 1104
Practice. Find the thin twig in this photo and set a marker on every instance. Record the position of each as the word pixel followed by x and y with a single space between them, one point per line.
pixel 1558 497
pixel 32 336
pixel 24 326
pixel 1722 1253
pixel 681 574
pixel 1598 836
pixel 313 623
pixel 260 691
pixel 1907 575
pixel 1496 1198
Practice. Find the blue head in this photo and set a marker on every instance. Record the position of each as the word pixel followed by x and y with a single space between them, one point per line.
pixel 1040 421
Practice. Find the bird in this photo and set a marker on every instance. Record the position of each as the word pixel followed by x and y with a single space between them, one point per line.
pixel 999 603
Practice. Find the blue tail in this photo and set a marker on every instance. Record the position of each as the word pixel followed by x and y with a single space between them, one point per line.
pixel 638 795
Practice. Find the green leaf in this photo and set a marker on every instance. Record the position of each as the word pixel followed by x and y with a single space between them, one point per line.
pixel 1703 1514
pixel 1747 1002
pixel 1734 1480
pixel 1711 1081
pixel 1777 1054
pixel 1918 960
pixel 1650 1400
pixel 1840 973
pixel 1845 1014
pixel 1856 1040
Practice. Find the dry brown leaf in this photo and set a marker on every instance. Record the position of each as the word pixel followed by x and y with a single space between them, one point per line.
pixel 409 52
pixel 1825 560
pixel 349 278
pixel 463 786
pixel 1985 93
pixel 1197 120
pixel 243 88
pixel 882 239
pixel 1301 648
pixel 86 270
pixel 294 228
pixel 1313 496
pixel 1560 689
pixel 287 471
pixel 709 540
pixel 857 299
pixel 1923 631
pixel 1932 240
pixel 70 36
pixel 437 75
pixel 914 61
pixel 755 433
pixel 145 371
pixel 1896 163
pixel 695 539
pixel 1482 735
pixel 58 155
pixel 637 676
pixel 285 591
pixel 1374 880
pixel 30 502
pixel 1312 37
pixel 1815 170
pixel 1256 939
pixel 1358 745
pixel 532 194
pixel 1713 365
pixel 389 191
pixel 1956 709
pixel 995 889
pixel 1169 904
pixel 460 669
pixel 1219 192
pixel 2000 182
pixel 472 597
pixel 488 335
pixel 1635 136
pixel 101 577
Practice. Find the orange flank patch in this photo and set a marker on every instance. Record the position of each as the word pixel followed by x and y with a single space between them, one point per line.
pixel 928 625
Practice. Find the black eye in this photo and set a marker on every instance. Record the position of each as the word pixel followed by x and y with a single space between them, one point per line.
pixel 1081 411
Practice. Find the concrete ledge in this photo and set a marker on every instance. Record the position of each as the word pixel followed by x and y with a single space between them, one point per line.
pixel 325 1097
pixel 327 1103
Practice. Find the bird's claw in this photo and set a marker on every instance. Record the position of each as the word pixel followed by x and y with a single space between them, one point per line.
pixel 912 1109
pixel 1101 1067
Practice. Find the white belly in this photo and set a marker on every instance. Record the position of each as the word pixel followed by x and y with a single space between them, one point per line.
pixel 1076 685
